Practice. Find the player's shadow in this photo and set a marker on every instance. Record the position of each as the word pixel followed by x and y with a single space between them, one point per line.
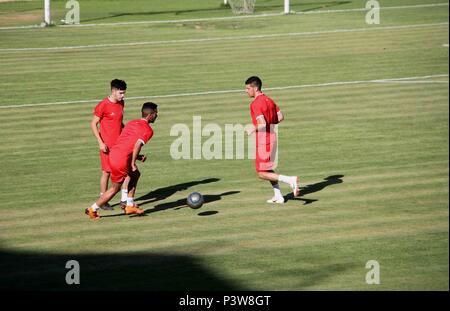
pixel 165 192
pixel 312 188
pixel 181 203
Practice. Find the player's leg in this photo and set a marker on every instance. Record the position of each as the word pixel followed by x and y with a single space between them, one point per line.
pixel 123 199
pixel 292 181
pixel 108 195
pixel 119 171
pixel 131 207
pixel 268 175
pixel 104 179
pixel 274 178
pixel 132 184
pixel 265 163
pixel 104 182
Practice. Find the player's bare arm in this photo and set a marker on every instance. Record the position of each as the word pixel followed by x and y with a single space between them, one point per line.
pixel 280 116
pixel 94 126
pixel 134 157
pixel 261 126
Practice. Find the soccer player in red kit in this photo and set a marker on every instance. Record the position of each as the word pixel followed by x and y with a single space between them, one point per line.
pixel 123 157
pixel 265 115
pixel 109 114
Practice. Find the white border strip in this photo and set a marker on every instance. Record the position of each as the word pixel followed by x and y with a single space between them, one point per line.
pixel 199 40
pixel 381 8
pixel 419 79
pixel 231 17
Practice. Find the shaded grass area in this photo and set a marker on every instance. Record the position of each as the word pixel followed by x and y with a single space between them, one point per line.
pixel 32 271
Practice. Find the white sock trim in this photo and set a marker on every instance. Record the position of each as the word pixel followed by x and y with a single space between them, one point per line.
pixel 130 201
pixel 277 191
pixel 124 195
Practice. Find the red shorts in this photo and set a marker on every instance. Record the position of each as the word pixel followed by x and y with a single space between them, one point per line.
pixel 120 166
pixel 104 160
pixel 266 155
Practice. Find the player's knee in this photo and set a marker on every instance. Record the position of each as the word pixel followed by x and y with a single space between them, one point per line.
pixel 261 175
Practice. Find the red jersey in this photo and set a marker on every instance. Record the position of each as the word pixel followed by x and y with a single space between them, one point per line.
pixel 266 141
pixel 264 107
pixel 111 116
pixel 135 130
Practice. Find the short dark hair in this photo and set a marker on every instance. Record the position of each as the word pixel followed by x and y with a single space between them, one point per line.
pixel 148 108
pixel 118 84
pixel 254 81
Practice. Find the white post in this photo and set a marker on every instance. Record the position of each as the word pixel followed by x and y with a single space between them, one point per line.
pixel 225 1
pixel 47 12
pixel 287 10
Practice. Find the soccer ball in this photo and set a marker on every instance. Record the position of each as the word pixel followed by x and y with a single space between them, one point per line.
pixel 195 200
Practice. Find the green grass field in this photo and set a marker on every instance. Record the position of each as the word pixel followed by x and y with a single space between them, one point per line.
pixel 372 156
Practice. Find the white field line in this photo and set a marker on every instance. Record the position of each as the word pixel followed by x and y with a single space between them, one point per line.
pixel 234 17
pixel 250 37
pixel 402 7
pixel 390 80
pixel 413 81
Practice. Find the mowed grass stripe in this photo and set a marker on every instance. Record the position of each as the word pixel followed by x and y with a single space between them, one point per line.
pixel 342 230
pixel 216 61
pixel 218 55
pixel 41 142
pixel 396 186
pixel 101 35
pixel 339 103
pixel 336 99
pixel 335 208
pixel 88 137
pixel 161 221
pixel 397 118
pixel 202 245
pixel 333 98
pixel 211 47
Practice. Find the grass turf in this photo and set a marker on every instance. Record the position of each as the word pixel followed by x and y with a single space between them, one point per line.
pixel 372 157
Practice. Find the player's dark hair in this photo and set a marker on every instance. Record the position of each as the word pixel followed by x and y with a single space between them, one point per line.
pixel 118 84
pixel 148 108
pixel 254 81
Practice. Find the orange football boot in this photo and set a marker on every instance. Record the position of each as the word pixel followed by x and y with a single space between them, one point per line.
pixel 91 213
pixel 133 209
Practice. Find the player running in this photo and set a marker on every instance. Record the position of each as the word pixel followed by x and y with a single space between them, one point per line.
pixel 109 114
pixel 122 160
pixel 265 115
